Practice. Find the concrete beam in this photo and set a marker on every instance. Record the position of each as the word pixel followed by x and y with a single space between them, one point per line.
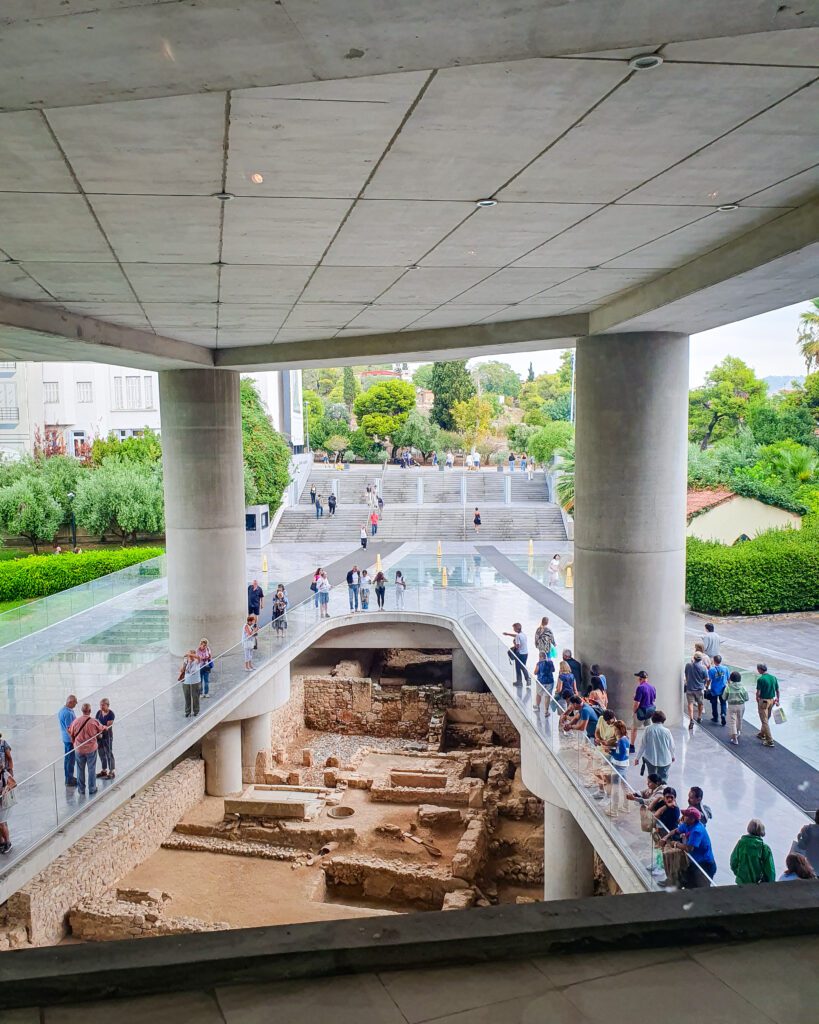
pixel 29 330
pixel 412 346
pixel 778 239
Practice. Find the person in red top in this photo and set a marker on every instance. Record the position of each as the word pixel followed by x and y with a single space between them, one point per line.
pixel 373 523
pixel 84 731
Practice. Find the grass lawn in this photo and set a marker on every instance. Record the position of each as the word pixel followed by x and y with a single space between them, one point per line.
pixel 6 606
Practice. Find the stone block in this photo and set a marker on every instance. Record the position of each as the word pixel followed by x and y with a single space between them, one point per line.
pixel 438 817
pixel 417 779
pixel 307 758
pixel 330 778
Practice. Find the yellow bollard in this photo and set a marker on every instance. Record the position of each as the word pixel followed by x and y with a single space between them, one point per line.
pixel 378 563
pixel 443 577
pixel 531 547
pixel 569 576
pixel 264 564
pixel 439 552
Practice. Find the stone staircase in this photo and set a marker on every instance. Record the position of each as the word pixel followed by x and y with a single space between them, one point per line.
pixel 442 516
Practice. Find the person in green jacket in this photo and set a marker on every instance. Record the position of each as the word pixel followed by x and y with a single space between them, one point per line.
pixel 752 861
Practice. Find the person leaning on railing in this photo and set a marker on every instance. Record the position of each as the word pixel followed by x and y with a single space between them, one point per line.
pixel 7 794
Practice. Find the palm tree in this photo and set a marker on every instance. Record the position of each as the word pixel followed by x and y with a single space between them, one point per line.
pixel 797 464
pixel 565 482
pixel 808 337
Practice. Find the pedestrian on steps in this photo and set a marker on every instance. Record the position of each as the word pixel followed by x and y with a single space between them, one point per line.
pixel 363 536
pixel 476 521
pixel 373 523
pixel 319 507
pixel 312 494
pixel 331 503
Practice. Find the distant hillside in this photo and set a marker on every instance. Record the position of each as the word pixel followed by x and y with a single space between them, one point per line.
pixel 783 382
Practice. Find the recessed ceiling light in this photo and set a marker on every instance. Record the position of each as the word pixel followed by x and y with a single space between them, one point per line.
pixel 728 208
pixel 645 61
pixel 483 203
pixel 257 178
pixel 412 266
pixel 223 196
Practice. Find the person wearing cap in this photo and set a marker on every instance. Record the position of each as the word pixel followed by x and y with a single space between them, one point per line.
pixel 692 837
pixel 696 679
pixel 644 706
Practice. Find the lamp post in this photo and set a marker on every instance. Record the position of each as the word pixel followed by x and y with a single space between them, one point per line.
pixel 72 520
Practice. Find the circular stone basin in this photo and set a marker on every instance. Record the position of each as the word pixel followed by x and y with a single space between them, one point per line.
pixel 340 812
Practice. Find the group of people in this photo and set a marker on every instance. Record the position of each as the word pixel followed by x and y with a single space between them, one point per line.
pixel 525 462
pixel 359 586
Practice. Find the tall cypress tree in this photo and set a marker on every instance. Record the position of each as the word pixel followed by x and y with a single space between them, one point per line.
pixel 349 388
pixel 451 383
pixel 531 375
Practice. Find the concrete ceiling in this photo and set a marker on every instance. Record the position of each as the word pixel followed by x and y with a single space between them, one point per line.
pixel 356 147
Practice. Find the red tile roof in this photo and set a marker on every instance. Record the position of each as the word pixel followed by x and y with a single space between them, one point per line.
pixel 701 501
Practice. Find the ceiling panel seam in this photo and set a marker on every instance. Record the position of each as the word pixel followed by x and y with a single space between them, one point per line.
pixel 92 212
pixel 223 187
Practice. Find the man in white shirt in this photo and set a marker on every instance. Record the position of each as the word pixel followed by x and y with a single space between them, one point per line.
pixel 710 640
pixel 519 653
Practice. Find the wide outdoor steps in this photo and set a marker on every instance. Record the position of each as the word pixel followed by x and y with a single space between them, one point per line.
pixel 540 521
pixel 401 486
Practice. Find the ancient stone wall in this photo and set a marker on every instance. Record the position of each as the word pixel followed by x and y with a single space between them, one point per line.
pixel 390 880
pixel 362 707
pixel 132 914
pixel 481 709
pixel 106 853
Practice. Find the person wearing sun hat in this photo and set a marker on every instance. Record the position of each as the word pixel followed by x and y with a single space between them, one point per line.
pixel 693 838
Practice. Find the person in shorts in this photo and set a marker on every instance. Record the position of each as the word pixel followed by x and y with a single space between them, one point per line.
pixel 643 707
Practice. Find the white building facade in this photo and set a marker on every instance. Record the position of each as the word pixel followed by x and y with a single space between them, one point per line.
pixel 63 407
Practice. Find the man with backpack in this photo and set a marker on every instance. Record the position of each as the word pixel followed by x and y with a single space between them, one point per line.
pixel 84 731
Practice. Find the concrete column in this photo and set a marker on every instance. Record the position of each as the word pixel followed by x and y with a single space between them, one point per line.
pixel 568 868
pixel 630 490
pixel 204 507
pixel 419 491
pixel 255 741
pixel 222 753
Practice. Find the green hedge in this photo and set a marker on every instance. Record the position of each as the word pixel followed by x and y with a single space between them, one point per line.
pixel 776 572
pixel 41 575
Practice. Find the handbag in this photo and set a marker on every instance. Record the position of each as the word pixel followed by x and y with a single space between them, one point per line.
pixel 646 819
pixel 779 716
pixel 314 586
pixel 553 652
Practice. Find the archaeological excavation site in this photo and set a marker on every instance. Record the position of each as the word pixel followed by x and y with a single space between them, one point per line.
pixel 383 790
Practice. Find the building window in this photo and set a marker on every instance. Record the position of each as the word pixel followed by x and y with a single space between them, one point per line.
pixel 119 395
pixel 8 366
pixel 9 411
pixel 132 392
pixel 78 442
pixel 51 391
pixel 84 391
pixel 148 391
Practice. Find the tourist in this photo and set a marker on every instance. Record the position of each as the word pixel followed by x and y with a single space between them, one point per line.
pixel 312 494
pixel 644 704
pixel 767 698
pixel 84 731
pixel 597 696
pixel 585 718
pixel 657 747
pixel 380 501
pixel 331 504
pixel 476 459
pixel 373 523
pixel 595 671
pixel 568 683
pixel 368 496
pixel 796 867
pixel 353 586
pixel 362 536
pixel 380 584
pixel 530 472
pixel 434 460
pixel 519 653
pixel 523 463
pixel 652 795
pixel 694 840
pixel 751 860
pixel 325 459
pixel 710 641
pixel 695 796
pixel 476 521
pixel 279 611
pixel 511 462
pixel 605 735
pixel 248 639
pixel 400 589
pixel 666 811
pixel 717 685
pixel 324 588
pixel 255 598
pixel 468 462
pixel 314 586
pixel 105 742
pixel 203 653
pixel 7 794
pixel 736 697
pixel 576 669
pixel 190 672
pixel 699 648
pixel 545 675
pixel 807 842
pixel 450 460
pixel 545 638
pixel 319 507
pixel 364 590
pixel 554 571
pixel 65 717
pixel 618 759
pixel 696 677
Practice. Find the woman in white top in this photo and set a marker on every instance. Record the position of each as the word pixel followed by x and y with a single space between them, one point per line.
pixel 248 636
pixel 324 588
pixel 400 588
pixel 364 590
pixel 554 571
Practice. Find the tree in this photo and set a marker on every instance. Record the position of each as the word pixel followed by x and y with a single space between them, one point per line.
pixel 266 453
pixel 450 383
pixel 811 392
pixel 717 408
pixel 337 412
pixel 145 448
pixel 28 509
pixel 519 435
pixel 786 463
pixel 384 408
pixel 122 499
pixel 473 418
pixel 530 376
pixel 334 444
pixel 548 396
pixel 544 443
pixel 321 380
pixel 808 337
pixel 422 378
pixel 61 475
pixel 565 482
pixel 498 378
pixel 350 387
pixel 420 433
pixel 772 421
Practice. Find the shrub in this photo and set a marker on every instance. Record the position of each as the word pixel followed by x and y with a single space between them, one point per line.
pixel 266 453
pixel 776 572
pixel 550 437
pixel 41 575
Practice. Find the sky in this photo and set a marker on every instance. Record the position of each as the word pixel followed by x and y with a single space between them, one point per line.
pixel 767 343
